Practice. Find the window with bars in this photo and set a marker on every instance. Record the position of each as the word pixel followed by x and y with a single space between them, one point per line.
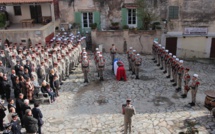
pixel 132 18
pixel 17 10
pixel 173 12
pixel 87 19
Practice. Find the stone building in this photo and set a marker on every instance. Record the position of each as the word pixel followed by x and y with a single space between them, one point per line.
pixel 29 20
pixel 187 25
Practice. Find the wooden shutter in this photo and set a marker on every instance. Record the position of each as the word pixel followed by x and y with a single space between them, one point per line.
pixel 173 12
pixel 96 19
pixel 78 18
pixel 124 16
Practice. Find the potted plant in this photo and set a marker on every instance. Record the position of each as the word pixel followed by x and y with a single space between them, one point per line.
pixel 125 27
pixel 114 25
pixel 93 26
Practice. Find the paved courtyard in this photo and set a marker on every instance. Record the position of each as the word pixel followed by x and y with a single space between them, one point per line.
pixel 95 108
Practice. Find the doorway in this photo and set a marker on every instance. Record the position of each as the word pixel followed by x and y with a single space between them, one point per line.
pixel 36 13
pixel 212 54
pixel 171 45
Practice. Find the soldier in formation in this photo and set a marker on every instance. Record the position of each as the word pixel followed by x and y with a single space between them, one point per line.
pixel 175 70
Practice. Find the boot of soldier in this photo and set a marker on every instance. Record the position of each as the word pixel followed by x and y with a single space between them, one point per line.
pixel 183 95
pixel 155 61
pixel 192 104
pixel 158 64
pixel 164 71
pixel 98 74
pixel 133 73
pixel 172 80
pixel 178 89
pixel 153 58
pixel 137 77
pixel 87 81
pixel 161 68
pixel 101 79
pixel 174 84
pixel 129 69
pixel 168 76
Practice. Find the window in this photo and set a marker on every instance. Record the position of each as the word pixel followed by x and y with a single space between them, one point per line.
pixel 173 12
pixel 17 10
pixel 132 18
pixel 87 19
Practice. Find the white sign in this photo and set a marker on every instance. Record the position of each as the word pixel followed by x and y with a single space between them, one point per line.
pixel 195 31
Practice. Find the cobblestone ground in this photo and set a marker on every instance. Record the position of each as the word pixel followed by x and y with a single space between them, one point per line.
pixel 95 108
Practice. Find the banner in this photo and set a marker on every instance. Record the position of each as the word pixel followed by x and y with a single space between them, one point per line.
pixel 195 31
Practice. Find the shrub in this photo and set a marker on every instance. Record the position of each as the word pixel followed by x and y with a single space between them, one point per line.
pixel 125 27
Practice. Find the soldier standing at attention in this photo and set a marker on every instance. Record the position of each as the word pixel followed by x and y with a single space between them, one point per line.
pixel 85 68
pixel 162 57
pixel 186 82
pixel 113 51
pixel 129 53
pixel 175 72
pixel 159 54
pixel 166 56
pixel 194 87
pixel 129 112
pixel 138 62
pixel 180 75
pixel 101 66
pixel 169 60
pixel 133 56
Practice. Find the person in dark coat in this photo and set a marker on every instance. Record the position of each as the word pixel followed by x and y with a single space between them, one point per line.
pixel 2 114
pixel 56 85
pixel 15 124
pixel 37 114
pixel 17 67
pixel 25 106
pixel 11 104
pixel 31 124
pixel 17 88
pixel 13 77
pixel 2 93
pixel 19 105
pixel 28 66
pixel 6 86
pixel 21 71
pixel 26 74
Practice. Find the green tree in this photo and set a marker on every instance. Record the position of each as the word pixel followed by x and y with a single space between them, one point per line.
pixel 145 13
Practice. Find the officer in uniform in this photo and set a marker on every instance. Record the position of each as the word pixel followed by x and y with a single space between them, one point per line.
pixel 173 63
pixel 180 75
pixel 63 64
pixel 138 62
pixel 113 51
pixel 168 64
pixel 13 61
pixel 59 69
pixel 67 62
pixel 186 82
pixel 175 72
pixel 2 68
pixel 85 68
pixel 129 112
pixel 194 88
pixel 159 55
pixel 34 63
pixel 162 57
pixel 50 62
pixel 166 56
pixel 133 57
pixel 3 58
pixel 101 66
pixel 47 70
pixel 41 72
pixel 129 53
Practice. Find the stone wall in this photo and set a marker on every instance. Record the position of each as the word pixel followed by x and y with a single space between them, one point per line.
pixel 139 40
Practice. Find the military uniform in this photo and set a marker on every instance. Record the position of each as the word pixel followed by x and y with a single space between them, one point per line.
pixel 59 69
pixel 166 56
pixel 129 112
pixel 180 74
pixel 67 62
pixel 173 63
pixel 162 57
pixel 13 62
pixel 113 52
pixel 159 49
pixel 168 64
pixel 101 66
pixel 129 53
pixel 194 88
pixel 186 83
pixel 137 62
pixel 175 72
pixel 133 57
pixel 85 68
pixel 41 73
pixel 3 58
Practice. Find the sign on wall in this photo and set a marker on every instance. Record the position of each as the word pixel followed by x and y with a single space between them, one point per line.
pixel 195 31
